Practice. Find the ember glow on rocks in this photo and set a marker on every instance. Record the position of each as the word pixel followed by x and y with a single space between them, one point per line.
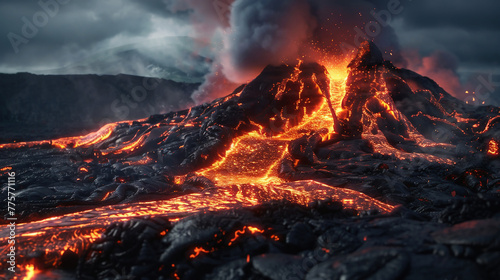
pixel 332 144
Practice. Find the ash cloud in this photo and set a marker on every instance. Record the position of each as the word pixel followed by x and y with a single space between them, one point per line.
pixel 466 30
pixel 440 66
pixel 253 34
pixel 452 37
pixel 237 37
pixel 264 32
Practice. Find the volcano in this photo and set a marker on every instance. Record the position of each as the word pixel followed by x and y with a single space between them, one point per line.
pixel 377 173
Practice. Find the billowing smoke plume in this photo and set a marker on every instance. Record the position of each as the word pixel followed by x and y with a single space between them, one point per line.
pixel 440 66
pixel 251 34
pixel 264 32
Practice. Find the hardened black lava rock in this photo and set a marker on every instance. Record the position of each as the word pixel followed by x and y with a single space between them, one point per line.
pixel 138 159
pixel 475 207
pixel 401 139
pixel 280 240
pixel 387 106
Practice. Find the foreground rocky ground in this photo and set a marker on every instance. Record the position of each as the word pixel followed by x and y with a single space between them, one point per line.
pixel 322 241
pixel 399 138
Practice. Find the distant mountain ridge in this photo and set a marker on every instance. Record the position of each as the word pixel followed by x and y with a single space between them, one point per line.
pixel 178 58
pixel 39 106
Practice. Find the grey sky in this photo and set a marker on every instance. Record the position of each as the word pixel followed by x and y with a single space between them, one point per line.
pixel 79 29
pixel 468 31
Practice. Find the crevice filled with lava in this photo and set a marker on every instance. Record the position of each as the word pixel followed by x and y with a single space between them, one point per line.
pixel 334 148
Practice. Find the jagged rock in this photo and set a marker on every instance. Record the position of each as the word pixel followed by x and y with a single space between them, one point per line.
pixel 431 266
pixel 475 233
pixel 278 266
pixel 400 139
pixel 233 270
pixel 373 263
pixel 338 241
pixel 300 237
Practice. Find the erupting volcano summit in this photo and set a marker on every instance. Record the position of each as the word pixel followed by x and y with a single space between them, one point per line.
pixel 295 175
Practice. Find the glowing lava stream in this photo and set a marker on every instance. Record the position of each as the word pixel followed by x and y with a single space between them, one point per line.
pixel 246 176
pixel 493 149
pixel 86 140
pixel 75 231
pixel 254 158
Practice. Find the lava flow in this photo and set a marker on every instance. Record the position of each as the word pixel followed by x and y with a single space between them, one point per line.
pixel 246 175
pixel 493 149
pixel 299 133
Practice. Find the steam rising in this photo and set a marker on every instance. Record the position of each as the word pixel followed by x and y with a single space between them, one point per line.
pixel 251 34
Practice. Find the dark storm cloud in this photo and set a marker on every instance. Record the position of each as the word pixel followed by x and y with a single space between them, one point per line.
pixel 73 29
pixel 469 30
pixel 244 37
pixel 265 33
pixel 273 32
pixel 470 15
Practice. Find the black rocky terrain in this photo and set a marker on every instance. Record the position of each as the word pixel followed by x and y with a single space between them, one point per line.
pixel 321 241
pixel 173 144
pixel 37 107
pixel 399 138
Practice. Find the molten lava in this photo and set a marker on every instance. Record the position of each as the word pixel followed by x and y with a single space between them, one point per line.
pixel 493 149
pixel 245 176
pixel 197 252
pixel 73 142
pixel 244 168
pixel 30 272
pixel 254 158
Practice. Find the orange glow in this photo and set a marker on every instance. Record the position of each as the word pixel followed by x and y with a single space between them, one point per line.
pixel 236 235
pixel 388 108
pixel 247 175
pixel 143 161
pixel 337 69
pixel 75 231
pixel 6 168
pixel 178 180
pixel 347 202
pixel 489 124
pixel 253 230
pixel 129 146
pixel 83 169
pixel 31 234
pixel 80 141
pixel 134 145
pixel 493 148
pixel 99 136
pixel 106 196
pixel 239 232
pixel 30 272
pixel 197 252
pixel 254 158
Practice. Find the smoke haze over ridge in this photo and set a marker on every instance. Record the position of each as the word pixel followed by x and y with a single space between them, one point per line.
pixel 233 41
